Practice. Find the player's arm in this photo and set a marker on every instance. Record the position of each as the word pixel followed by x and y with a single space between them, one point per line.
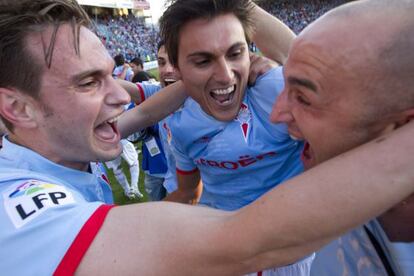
pixel 258 66
pixel 133 91
pixel 287 223
pixel 152 109
pixel 271 35
pixel 189 188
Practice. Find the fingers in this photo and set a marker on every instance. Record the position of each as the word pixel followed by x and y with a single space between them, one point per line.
pixel 258 66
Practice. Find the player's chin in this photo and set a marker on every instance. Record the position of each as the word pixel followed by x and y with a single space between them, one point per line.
pixel 224 116
pixel 107 153
pixel 222 112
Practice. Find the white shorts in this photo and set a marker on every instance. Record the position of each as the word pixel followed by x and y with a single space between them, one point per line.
pixel 129 153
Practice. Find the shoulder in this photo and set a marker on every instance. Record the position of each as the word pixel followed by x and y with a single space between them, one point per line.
pixel 33 208
pixel 26 198
pixel 272 79
pixel 190 118
pixel 266 88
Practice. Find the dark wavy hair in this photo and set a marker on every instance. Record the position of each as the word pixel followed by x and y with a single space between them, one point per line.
pixel 180 12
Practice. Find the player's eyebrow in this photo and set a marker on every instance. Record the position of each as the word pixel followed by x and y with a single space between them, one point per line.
pixel 302 82
pixel 84 74
pixel 210 55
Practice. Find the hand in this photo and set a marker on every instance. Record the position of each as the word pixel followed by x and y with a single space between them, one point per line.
pixel 258 66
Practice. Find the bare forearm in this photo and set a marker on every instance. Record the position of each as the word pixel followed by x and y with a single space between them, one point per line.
pixel 165 102
pixel 132 90
pixel 271 35
pixel 333 197
pixel 284 225
pixel 153 109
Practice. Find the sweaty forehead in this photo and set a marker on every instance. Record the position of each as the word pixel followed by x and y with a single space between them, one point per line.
pixel 207 34
pixel 64 48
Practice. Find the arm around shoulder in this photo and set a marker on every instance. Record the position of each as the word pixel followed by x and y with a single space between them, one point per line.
pixel 271 35
pixel 152 110
pixel 284 225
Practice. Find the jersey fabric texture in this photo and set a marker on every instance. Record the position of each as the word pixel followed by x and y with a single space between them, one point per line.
pixel 238 160
pixel 49 214
pixel 354 254
pixel 148 89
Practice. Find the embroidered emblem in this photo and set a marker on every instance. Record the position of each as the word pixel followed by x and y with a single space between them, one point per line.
pixel 244 118
pixel 168 130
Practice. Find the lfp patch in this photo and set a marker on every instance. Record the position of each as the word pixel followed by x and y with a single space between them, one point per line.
pixel 29 199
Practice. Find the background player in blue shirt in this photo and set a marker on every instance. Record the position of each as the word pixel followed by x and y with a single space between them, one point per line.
pixel 158 161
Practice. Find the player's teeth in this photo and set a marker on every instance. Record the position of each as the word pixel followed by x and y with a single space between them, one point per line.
pixel 113 120
pixel 223 91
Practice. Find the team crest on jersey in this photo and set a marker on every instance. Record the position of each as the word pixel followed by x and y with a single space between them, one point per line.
pixel 168 130
pixel 99 171
pixel 244 117
pixel 29 199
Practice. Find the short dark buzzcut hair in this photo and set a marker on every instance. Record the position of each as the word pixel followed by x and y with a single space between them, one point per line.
pixel 119 60
pixel 20 18
pixel 180 12
pixel 137 61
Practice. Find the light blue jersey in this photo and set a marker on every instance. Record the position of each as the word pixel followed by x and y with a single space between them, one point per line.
pixel 354 254
pixel 148 89
pixel 239 160
pixel 49 214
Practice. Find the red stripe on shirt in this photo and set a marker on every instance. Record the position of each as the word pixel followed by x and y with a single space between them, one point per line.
pixel 141 92
pixel 186 172
pixel 83 240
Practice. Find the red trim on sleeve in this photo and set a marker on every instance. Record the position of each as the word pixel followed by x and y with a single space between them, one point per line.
pixel 186 172
pixel 141 92
pixel 83 240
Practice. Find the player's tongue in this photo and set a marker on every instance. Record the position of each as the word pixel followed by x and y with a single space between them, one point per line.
pixel 223 95
pixel 221 98
pixel 106 131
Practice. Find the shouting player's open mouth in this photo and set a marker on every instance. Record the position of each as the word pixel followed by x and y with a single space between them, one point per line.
pixel 108 131
pixel 224 96
pixel 307 156
pixel 169 81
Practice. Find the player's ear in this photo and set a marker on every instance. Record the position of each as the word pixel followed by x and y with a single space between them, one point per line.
pixel 17 108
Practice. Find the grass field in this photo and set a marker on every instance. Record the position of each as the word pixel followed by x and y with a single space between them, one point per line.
pixel 117 190
pixel 154 72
